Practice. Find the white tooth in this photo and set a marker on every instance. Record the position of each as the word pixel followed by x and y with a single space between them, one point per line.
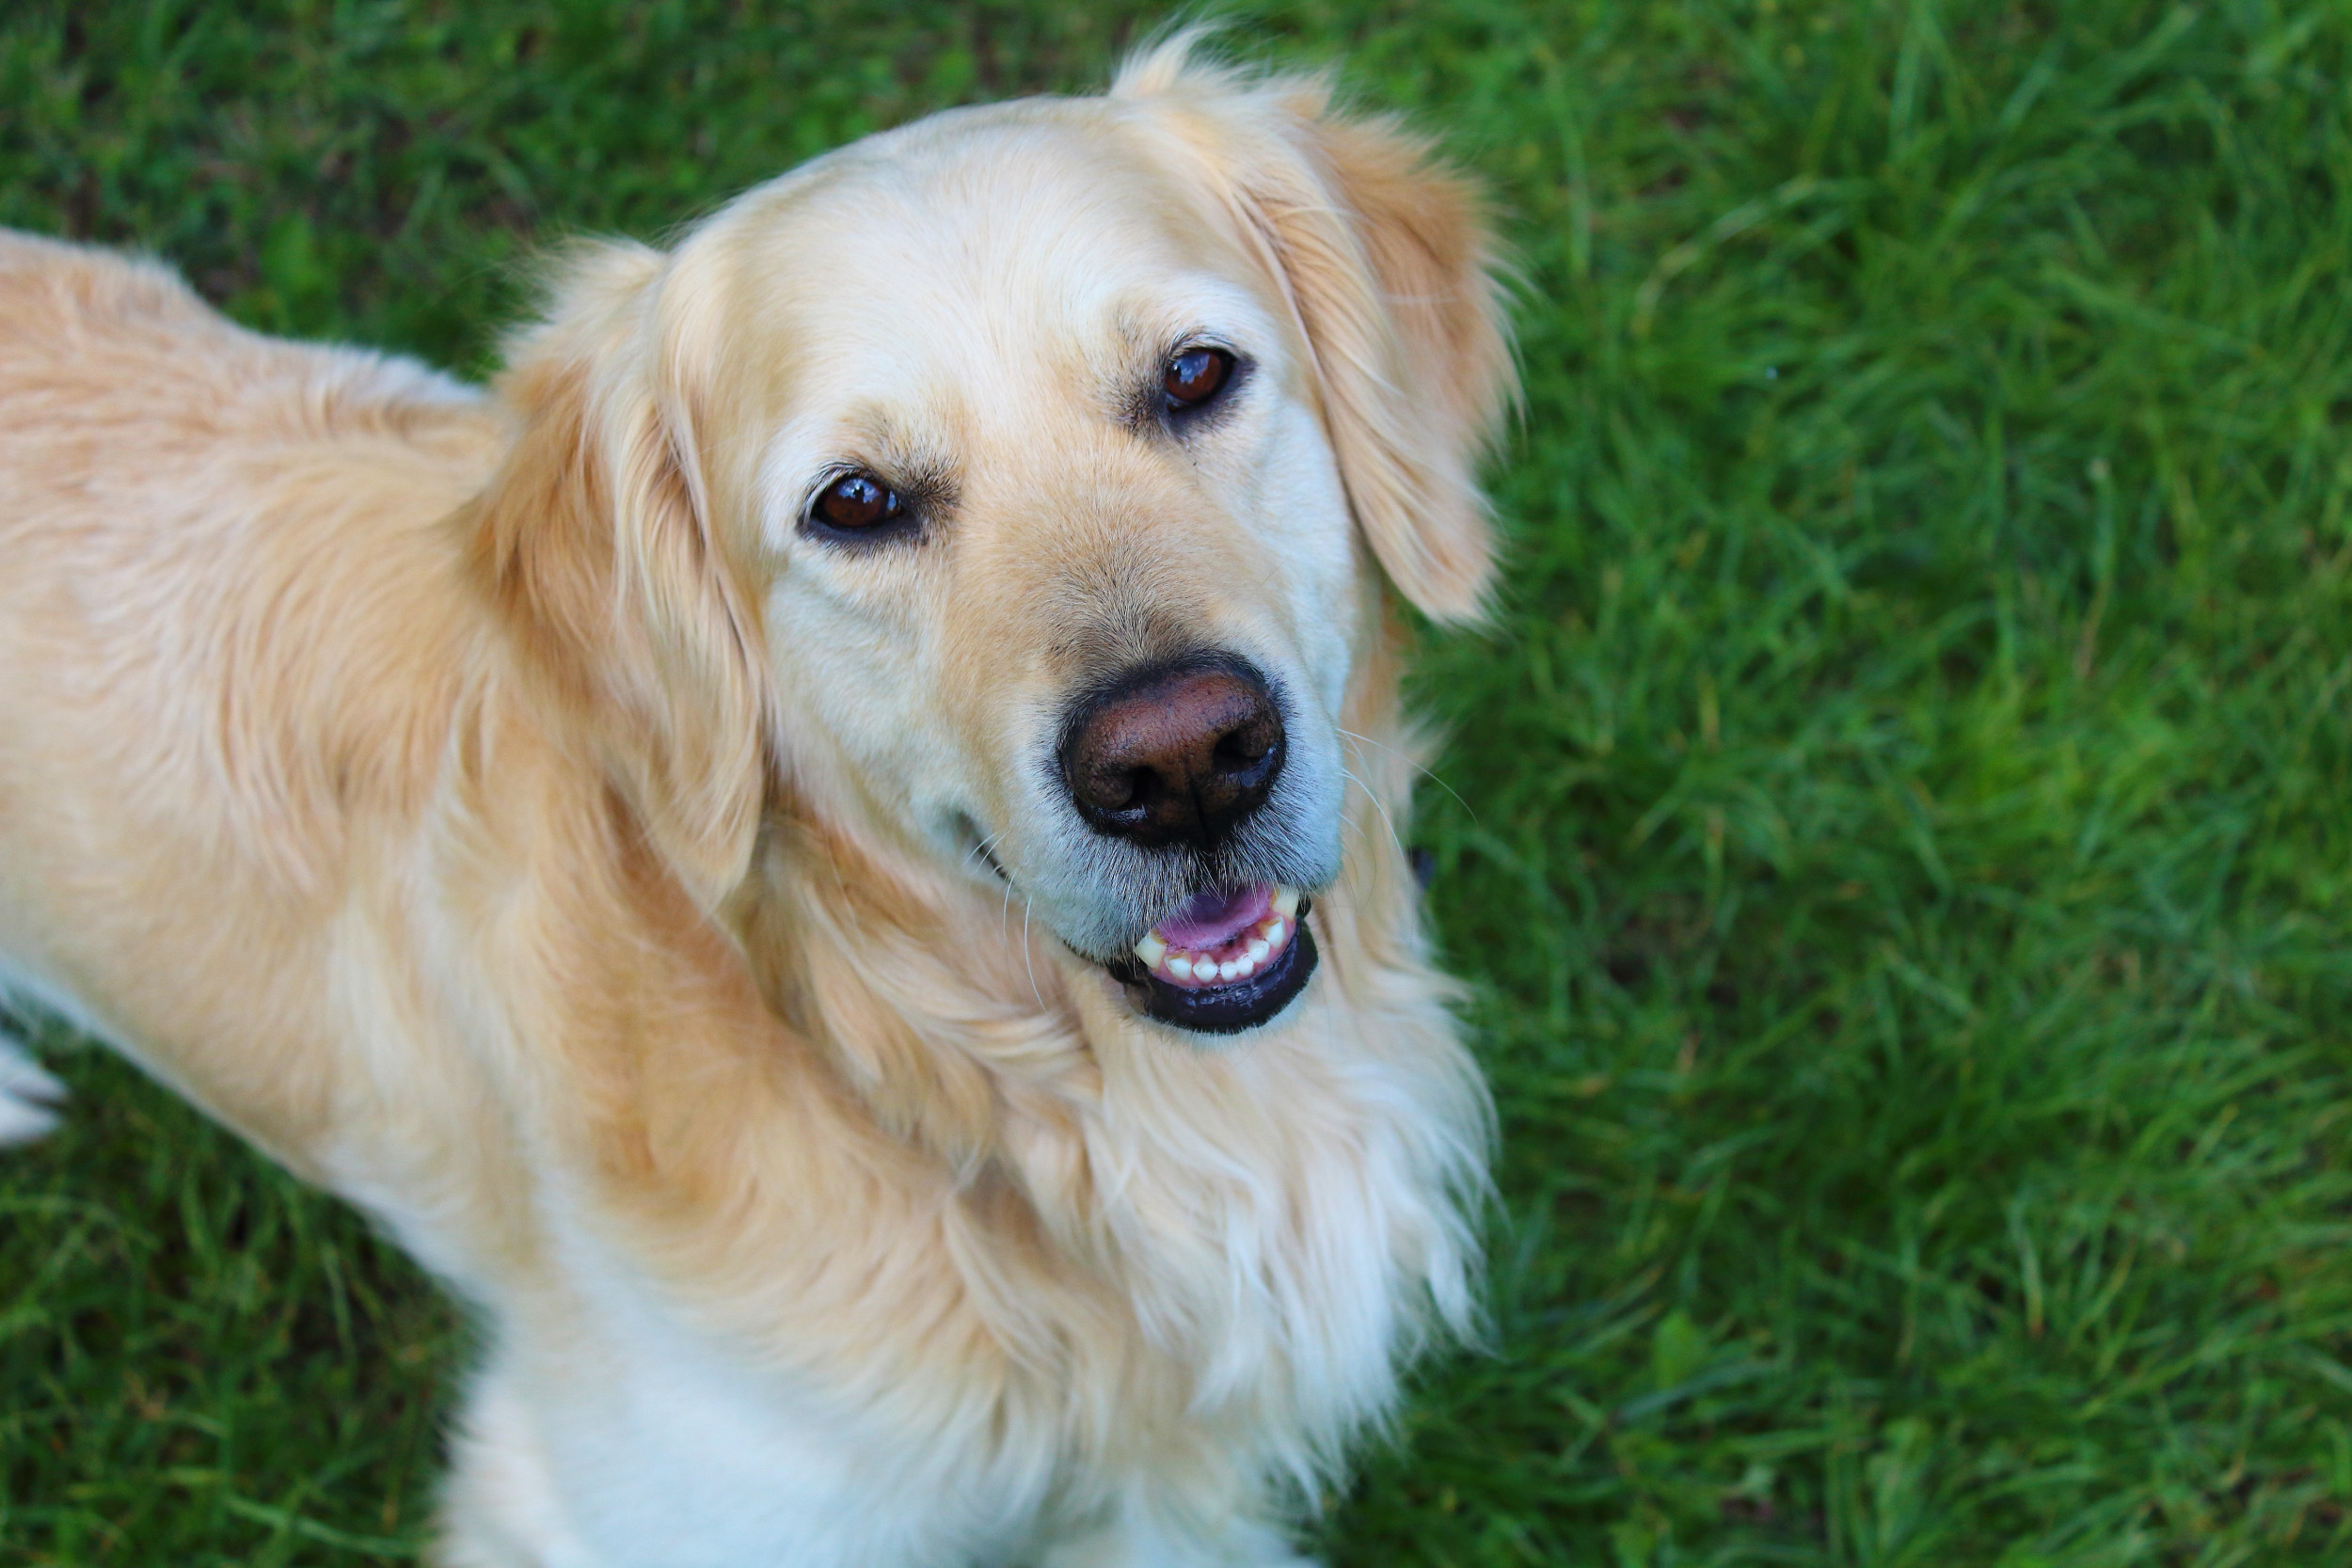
pixel 1245 966
pixel 1275 931
pixel 1258 951
pixel 1150 949
pixel 1181 967
pixel 1228 971
pixel 1286 901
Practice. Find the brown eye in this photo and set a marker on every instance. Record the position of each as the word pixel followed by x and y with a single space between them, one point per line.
pixel 1194 376
pixel 856 501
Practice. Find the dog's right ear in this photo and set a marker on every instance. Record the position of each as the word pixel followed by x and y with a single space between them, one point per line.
pixel 598 542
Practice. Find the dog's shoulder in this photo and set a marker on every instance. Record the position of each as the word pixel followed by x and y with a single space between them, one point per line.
pixel 238 549
pixel 93 337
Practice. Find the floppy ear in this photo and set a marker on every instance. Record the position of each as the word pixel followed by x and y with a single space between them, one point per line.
pixel 596 538
pixel 1387 260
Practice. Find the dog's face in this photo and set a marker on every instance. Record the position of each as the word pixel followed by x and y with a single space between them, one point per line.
pixel 1041 455
pixel 1059 572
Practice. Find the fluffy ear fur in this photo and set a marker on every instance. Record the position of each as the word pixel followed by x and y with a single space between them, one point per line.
pixel 1388 262
pixel 596 538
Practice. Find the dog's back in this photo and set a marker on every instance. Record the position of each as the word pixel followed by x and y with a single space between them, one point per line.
pixel 228 624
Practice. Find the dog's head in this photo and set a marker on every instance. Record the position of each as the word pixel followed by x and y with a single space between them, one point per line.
pixel 1011 486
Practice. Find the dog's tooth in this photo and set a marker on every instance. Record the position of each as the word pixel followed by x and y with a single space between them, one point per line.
pixel 1181 967
pixel 1285 901
pixel 1231 969
pixel 1275 931
pixel 1150 949
pixel 1258 951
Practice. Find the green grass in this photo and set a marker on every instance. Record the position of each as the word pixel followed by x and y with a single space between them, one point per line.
pixel 1898 830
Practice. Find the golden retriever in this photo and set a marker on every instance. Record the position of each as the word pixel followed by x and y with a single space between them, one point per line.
pixel 825 852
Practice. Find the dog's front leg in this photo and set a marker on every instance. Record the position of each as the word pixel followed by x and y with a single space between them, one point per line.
pixel 499 1506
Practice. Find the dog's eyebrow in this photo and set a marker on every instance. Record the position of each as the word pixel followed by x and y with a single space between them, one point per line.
pixel 1143 344
pixel 918 464
pixel 927 484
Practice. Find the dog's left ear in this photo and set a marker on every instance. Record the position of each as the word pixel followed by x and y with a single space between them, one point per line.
pixel 1387 260
pixel 599 543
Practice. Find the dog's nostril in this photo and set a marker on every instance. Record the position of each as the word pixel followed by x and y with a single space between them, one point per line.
pixel 1175 753
pixel 1138 786
pixel 1243 748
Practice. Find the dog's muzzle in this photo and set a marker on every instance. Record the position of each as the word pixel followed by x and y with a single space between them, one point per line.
pixel 1175 757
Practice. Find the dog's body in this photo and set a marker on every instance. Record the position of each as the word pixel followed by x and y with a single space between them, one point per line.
pixel 525 816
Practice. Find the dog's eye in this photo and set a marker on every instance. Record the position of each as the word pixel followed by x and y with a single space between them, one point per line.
pixel 856 501
pixel 1194 376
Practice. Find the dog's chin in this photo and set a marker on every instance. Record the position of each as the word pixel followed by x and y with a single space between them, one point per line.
pixel 1260 933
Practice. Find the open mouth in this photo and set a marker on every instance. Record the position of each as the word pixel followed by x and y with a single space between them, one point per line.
pixel 1230 960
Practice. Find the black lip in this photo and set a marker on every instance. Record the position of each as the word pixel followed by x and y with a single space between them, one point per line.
pixel 1224 1009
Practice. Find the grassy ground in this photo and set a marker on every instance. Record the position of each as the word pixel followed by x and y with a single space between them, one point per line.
pixel 1899 831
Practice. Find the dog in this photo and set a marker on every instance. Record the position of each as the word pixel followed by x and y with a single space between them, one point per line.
pixel 825 852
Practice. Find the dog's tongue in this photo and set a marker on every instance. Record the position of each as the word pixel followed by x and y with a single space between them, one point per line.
pixel 1209 920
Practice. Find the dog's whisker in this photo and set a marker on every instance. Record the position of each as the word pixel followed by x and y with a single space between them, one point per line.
pixel 1374 798
pixel 1409 761
pixel 1028 955
pixel 985 847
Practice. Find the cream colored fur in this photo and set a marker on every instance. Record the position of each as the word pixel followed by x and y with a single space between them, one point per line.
pixel 499 810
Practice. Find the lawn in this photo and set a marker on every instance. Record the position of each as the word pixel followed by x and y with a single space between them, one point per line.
pixel 1898 830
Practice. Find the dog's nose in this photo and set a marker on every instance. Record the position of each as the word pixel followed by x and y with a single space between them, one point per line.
pixel 1175 755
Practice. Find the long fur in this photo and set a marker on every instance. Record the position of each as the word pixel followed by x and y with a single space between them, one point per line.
pixel 410 776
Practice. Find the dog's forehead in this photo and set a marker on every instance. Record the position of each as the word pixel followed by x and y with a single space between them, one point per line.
pixel 1032 243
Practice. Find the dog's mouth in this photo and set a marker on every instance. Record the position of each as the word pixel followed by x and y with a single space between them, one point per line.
pixel 1230 960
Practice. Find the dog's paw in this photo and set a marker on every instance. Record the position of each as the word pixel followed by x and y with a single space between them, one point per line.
pixel 27 1095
